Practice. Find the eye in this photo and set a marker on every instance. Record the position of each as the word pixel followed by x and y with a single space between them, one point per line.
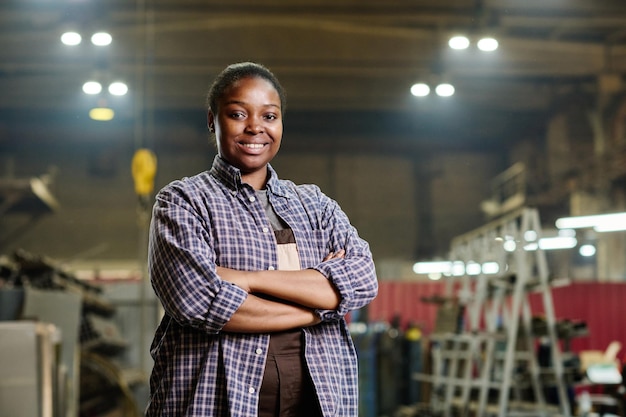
pixel 237 115
pixel 271 116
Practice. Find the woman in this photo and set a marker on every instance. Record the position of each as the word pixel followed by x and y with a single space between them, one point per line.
pixel 255 275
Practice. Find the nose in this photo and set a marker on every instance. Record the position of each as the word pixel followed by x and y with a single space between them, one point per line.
pixel 254 125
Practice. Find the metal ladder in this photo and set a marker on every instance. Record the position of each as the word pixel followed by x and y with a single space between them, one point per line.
pixel 497 334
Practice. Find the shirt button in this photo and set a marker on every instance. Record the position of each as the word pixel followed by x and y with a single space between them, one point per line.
pixel 271 268
pixel 265 230
pixel 251 390
pixel 252 199
pixel 258 351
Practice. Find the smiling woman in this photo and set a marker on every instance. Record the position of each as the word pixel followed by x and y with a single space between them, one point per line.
pixel 255 275
pixel 248 126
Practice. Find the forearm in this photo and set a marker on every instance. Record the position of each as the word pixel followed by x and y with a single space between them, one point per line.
pixel 258 315
pixel 306 287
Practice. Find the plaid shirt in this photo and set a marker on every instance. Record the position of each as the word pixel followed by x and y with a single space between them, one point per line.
pixel 214 219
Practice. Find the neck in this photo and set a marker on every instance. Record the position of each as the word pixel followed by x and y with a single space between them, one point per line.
pixel 256 180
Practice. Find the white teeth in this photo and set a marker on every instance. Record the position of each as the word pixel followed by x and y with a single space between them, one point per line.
pixel 253 145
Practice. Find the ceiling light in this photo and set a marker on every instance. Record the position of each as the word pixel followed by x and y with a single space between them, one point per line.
pixel 420 90
pixel 444 90
pixel 559 242
pixel 487 44
pixel 92 87
pixel 617 227
pixel 509 245
pixel 432 267
pixel 118 88
pixel 101 39
pixel 459 42
pixel 102 114
pixel 600 222
pixel 530 236
pixel 587 250
pixel 458 268
pixel 71 38
pixel 490 268
pixel 473 268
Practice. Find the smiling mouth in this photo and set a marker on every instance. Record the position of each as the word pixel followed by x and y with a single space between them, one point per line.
pixel 253 145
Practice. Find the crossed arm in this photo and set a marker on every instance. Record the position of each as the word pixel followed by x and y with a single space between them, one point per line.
pixel 296 295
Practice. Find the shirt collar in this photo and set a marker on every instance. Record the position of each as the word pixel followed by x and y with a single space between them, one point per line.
pixel 230 176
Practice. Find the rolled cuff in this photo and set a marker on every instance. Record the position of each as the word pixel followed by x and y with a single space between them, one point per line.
pixel 328 315
pixel 226 302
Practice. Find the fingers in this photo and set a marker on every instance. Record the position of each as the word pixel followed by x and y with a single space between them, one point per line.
pixel 335 255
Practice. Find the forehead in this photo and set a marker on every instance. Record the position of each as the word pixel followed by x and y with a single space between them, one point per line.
pixel 250 85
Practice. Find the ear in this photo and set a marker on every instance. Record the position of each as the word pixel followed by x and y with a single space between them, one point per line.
pixel 210 121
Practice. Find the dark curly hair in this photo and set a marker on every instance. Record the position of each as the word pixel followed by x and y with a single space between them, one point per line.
pixel 235 72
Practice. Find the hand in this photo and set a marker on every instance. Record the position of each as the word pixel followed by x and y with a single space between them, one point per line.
pixel 335 255
pixel 239 278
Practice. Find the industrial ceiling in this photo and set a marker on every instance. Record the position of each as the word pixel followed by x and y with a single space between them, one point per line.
pixel 334 57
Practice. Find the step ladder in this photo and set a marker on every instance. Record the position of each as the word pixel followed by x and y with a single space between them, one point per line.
pixel 479 369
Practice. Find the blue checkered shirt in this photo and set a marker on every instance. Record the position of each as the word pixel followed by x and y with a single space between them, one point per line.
pixel 214 219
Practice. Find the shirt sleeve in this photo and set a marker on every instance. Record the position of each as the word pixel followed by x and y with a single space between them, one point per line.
pixel 354 276
pixel 181 263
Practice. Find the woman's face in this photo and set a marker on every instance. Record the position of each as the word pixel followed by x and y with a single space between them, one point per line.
pixel 248 125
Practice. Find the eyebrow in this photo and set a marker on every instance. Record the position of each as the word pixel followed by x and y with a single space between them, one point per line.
pixel 243 103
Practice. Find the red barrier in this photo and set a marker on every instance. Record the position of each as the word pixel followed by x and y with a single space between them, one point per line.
pixel 602 306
